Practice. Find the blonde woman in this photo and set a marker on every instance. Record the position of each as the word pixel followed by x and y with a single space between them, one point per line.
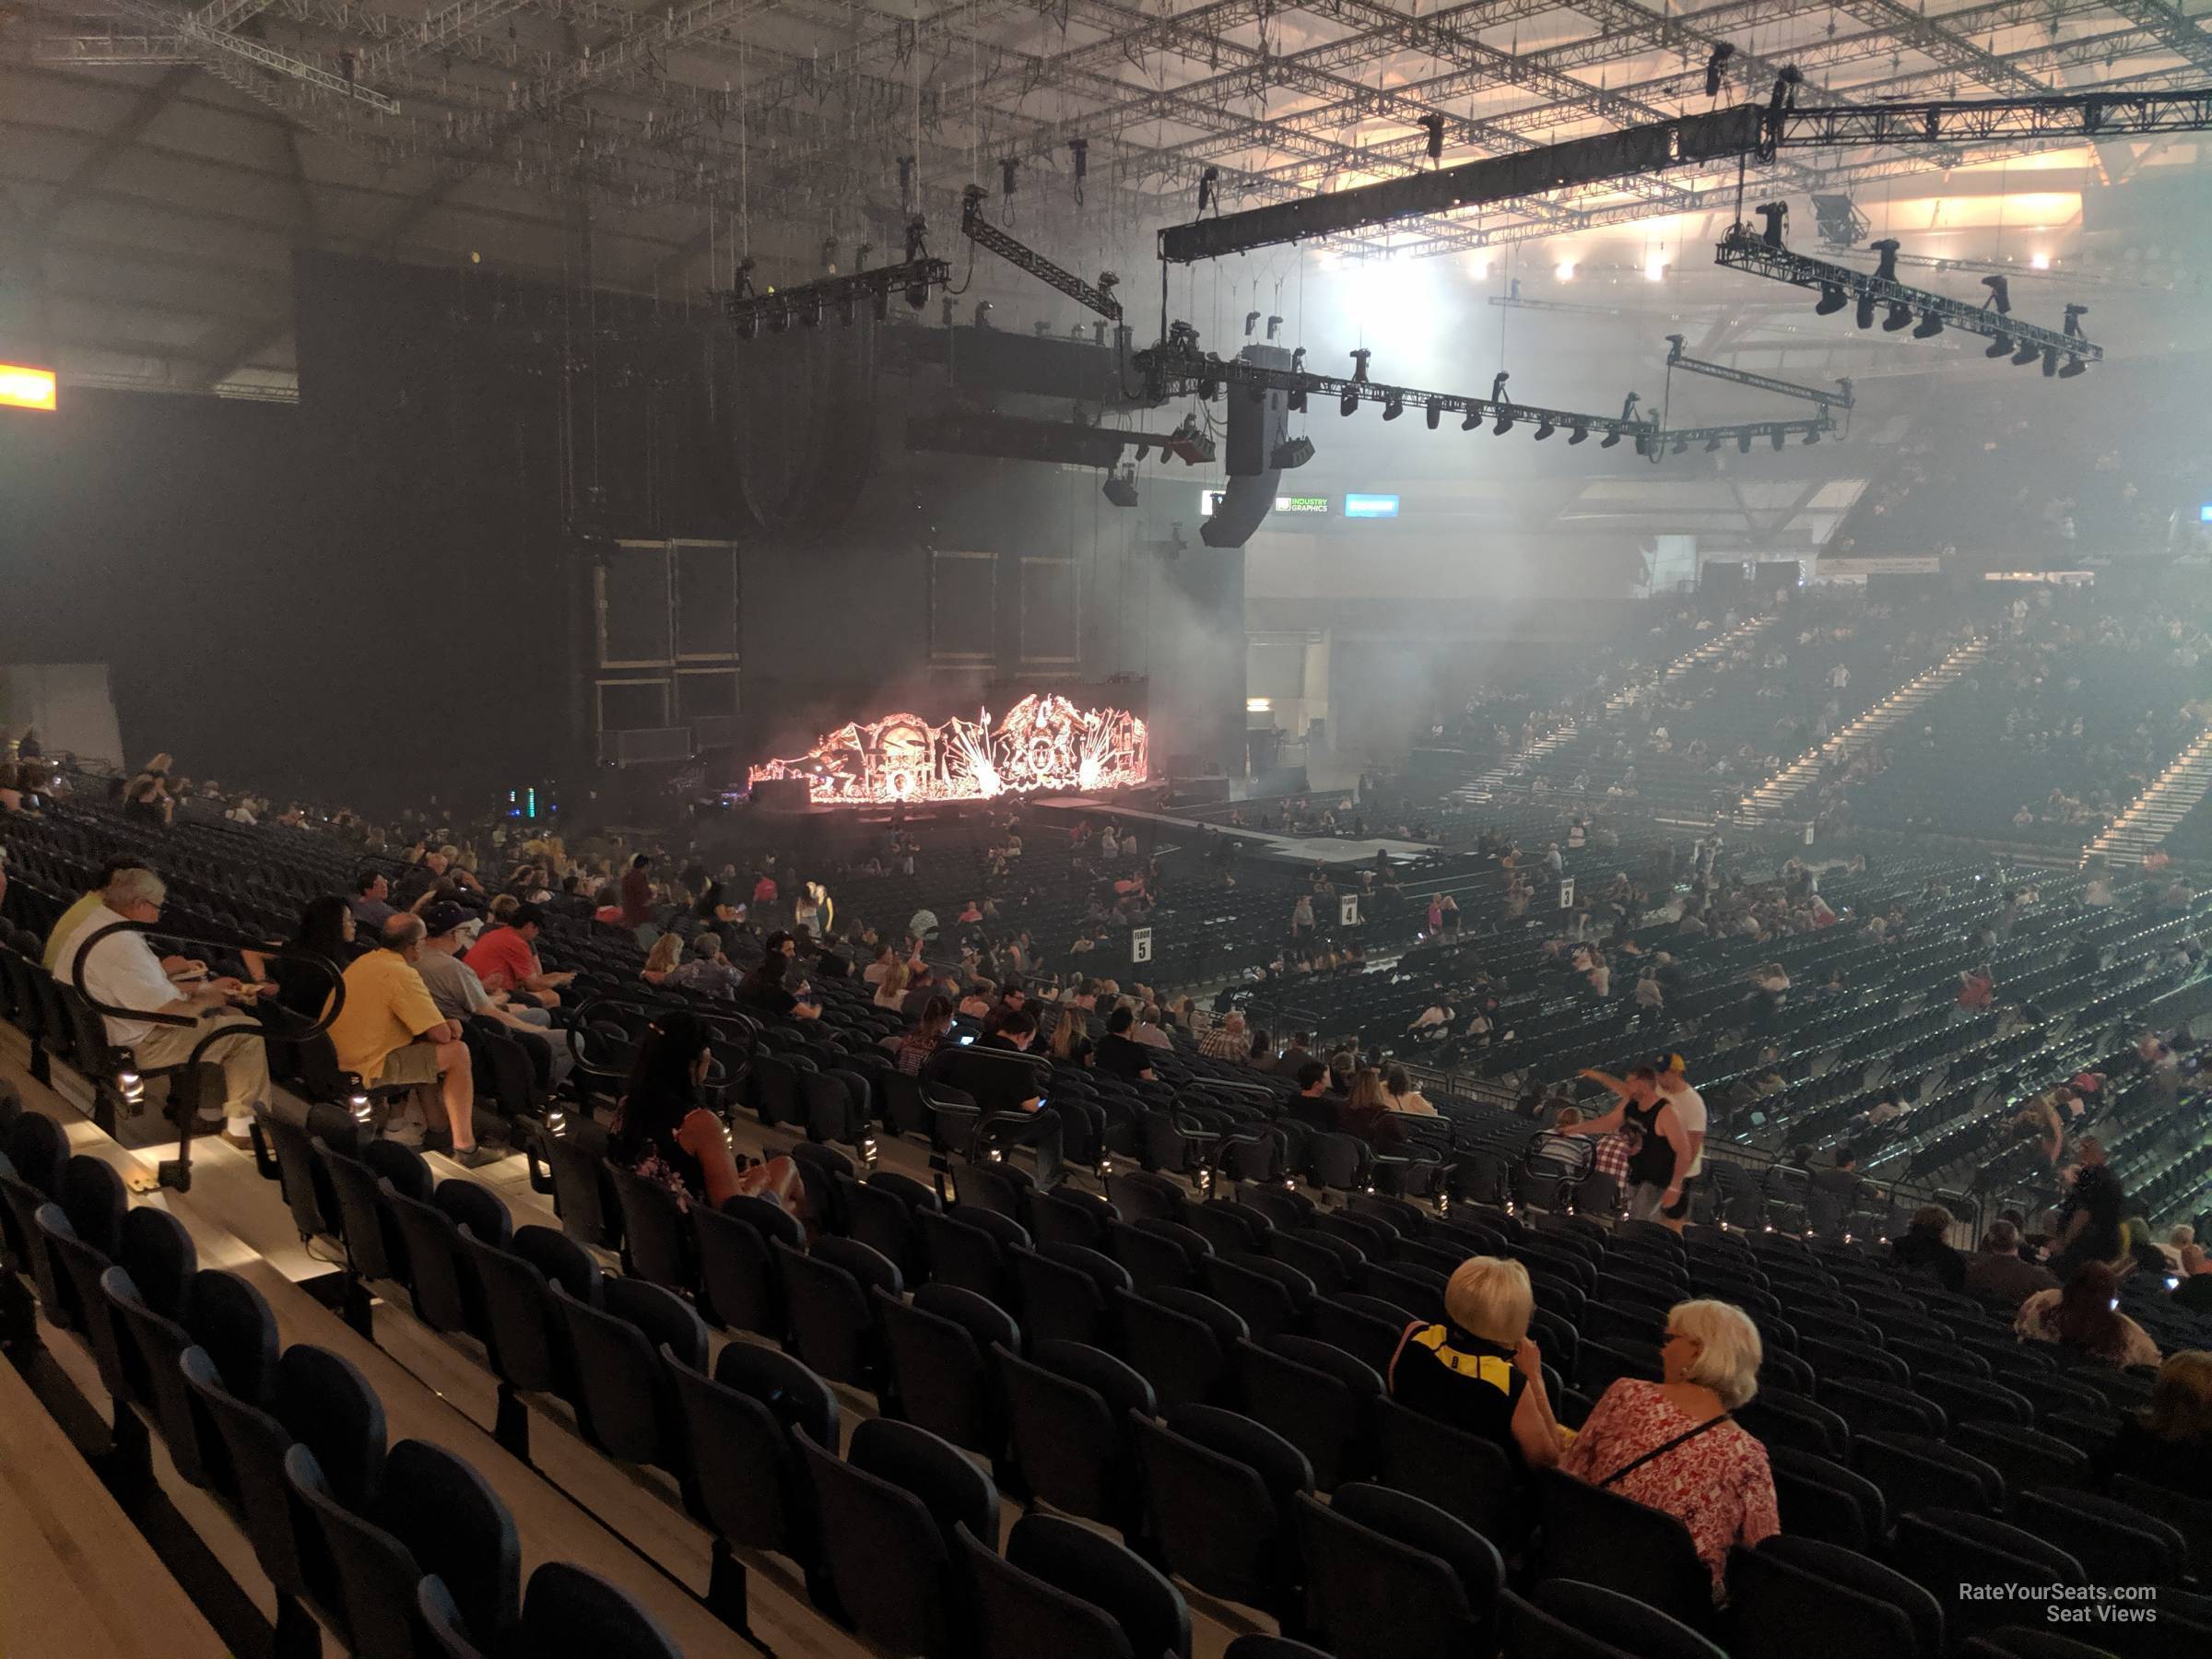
pixel 891 993
pixel 1478 1372
pixel 1672 1445
pixel 663 959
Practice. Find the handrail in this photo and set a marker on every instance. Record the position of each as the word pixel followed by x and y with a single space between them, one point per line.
pixel 177 1171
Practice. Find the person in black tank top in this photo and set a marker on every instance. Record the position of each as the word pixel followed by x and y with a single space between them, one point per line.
pixel 1655 1169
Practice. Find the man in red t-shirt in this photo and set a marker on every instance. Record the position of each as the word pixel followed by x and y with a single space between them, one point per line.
pixel 505 958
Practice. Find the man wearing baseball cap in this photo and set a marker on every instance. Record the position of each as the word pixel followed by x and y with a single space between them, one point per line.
pixel 460 993
pixel 1689 1108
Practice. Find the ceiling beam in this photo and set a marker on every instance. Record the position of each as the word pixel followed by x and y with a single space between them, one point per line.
pixel 112 144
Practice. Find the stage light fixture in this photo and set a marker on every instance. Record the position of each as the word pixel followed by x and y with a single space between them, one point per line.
pixel 1298 402
pixel 2000 293
pixel 1742 443
pixel 2073 367
pixel 1775 438
pixel 1896 318
pixel 1504 424
pixel 1578 435
pixel 1291 454
pixel 1832 300
pixel 1350 402
pixel 2028 353
pixel 1864 315
pixel 1545 429
pixel 1716 66
pixel 779 322
pixel 1930 326
pixel 1643 444
pixel 1681 444
pixel 1812 438
pixel 1607 442
pixel 1474 419
pixel 2050 361
pixel 1393 407
pixel 2000 346
pixel 1120 488
pixel 1712 444
pixel 1434 414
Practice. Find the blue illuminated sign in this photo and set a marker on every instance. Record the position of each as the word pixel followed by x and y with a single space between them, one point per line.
pixel 2204 513
pixel 1371 506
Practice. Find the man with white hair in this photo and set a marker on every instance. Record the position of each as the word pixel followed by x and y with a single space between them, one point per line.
pixel 1227 1040
pixel 122 972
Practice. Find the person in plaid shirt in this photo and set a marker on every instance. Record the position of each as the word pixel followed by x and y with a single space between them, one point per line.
pixel 1226 1040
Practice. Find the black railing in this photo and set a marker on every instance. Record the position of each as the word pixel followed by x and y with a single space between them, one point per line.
pixel 177 1172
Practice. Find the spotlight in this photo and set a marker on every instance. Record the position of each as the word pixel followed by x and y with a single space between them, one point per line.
pixel 1607 442
pixel 1742 443
pixel 982 313
pixel 1505 423
pixel 1930 326
pixel 2000 346
pixel 2074 365
pixel 1578 435
pixel 1643 444
pixel 1474 419
pixel 1716 66
pixel 1866 312
pixel 1120 488
pixel 2050 361
pixel 2000 294
pixel 1812 438
pixel 1776 438
pixel 1434 414
pixel 1681 444
pixel 2028 353
pixel 1896 318
pixel 1292 452
pixel 1885 267
pixel 1545 429
pixel 1298 402
pixel 1713 445
pixel 1831 300
pixel 1393 407
pixel 1350 402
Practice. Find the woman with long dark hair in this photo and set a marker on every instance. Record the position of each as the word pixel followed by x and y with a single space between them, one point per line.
pixel 324 933
pixel 2084 1317
pixel 665 1132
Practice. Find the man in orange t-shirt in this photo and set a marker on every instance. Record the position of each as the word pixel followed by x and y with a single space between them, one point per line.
pixel 505 958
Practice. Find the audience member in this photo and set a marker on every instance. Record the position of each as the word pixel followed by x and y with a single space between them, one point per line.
pixel 1118 1052
pixel 1673 1444
pixel 1478 1372
pixel 2088 1222
pixel 459 996
pixel 665 1132
pixel 2084 1319
pixel 925 1037
pixel 1663 1147
pixel 1925 1249
pixel 1226 1040
pixel 1999 1275
pixel 2169 1442
pixel 387 1030
pixel 706 970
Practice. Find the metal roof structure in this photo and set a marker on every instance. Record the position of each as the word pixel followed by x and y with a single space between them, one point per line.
pixel 159 164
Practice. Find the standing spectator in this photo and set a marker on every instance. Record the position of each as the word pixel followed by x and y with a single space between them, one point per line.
pixel 1657 1165
pixel 1672 1445
pixel 2089 1220
pixel 1301 916
pixel 388 1030
pixel 637 892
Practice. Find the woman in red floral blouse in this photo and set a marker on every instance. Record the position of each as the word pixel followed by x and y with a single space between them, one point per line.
pixel 1673 1446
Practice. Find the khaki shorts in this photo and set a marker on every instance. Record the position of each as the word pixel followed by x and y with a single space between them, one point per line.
pixel 415 1064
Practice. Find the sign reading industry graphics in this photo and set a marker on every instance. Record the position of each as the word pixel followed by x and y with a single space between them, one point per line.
pixel 1210 503
pixel 1042 743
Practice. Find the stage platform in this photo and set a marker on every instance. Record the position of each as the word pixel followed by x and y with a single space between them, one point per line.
pixel 1332 850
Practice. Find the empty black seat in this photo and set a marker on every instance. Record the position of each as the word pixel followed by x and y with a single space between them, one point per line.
pixel 1389 1574
pixel 568 1613
pixel 1068 1414
pixel 934 1350
pixel 1066 1591
pixel 1217 1492
pixel 738 1284
pixel 1796 1597
pixel 1945 1550
pixel 1179 1341
pixel 1625 1546
pixel 1319 1398
pixel 624 1403
pixel 1462 1474
pixel 1571 1620
pixel 832 1320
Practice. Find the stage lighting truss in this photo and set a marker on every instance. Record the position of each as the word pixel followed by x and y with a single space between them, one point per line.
pixel 809 304
pixel 1179 369
pixel 1837 397
pixel 1746 249
pixel 1097 296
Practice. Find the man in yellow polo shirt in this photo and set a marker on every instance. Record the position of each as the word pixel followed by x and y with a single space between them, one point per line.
pixel 390 1031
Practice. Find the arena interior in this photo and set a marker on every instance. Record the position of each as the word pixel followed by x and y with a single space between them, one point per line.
pixel 959 828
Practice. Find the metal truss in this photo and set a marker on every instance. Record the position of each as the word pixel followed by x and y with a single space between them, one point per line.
pixel 1178 368
pixel 1097 296
pixel 2074 117
pixel 808 303
pixel 1838 398
pixel 1746 249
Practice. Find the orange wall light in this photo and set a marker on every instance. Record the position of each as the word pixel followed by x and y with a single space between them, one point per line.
pixel 24 388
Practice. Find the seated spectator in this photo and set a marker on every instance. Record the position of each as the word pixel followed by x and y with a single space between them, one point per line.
pixel 2085 1318
pixel 924 1039
pixel 505 958
pixel 389 1031
pixel 1999 1275
pixel 1977 987
pixel 1402 1096
pixel 1673 1444
pixel 122 972
pixel 1071 1041
pixel 764 987
pixel 84 905
pixel 1478 1372
pixel 461 996
pixel 1226 1040
pixel 1012 1000
pixel 706 970
pixel 2194 1292
pixel 891 987
pixel 1120 1053
pixel 1924 1249
pixel 1366 1112
pixel 324 935
pixel 2169 1442
pixel 661 960
pixel 1151 1027
pixel 664 1133
pixel 371 889
pixel 439 876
